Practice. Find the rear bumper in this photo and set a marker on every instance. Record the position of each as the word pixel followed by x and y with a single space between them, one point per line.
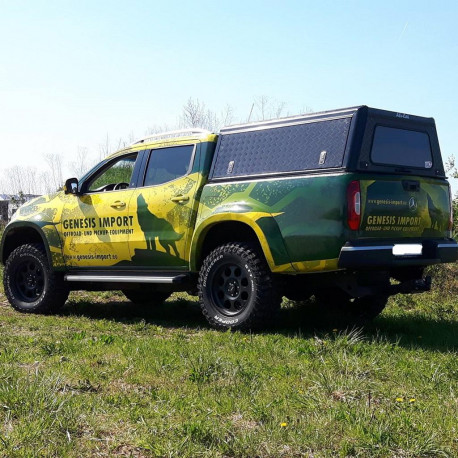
pixel 355 255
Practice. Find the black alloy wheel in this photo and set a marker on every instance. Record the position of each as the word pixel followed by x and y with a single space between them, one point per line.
pixel 236 288
pixel 30 283
pixel 231 288
pixel 29 279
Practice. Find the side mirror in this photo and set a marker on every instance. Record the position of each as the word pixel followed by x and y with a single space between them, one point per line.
pixel 71 186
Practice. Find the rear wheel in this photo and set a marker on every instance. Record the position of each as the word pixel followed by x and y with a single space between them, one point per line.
pixel 145 296
pixel 30 284
pixel 236 288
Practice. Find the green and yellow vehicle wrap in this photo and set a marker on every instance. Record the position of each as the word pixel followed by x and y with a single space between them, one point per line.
pixel 357 196
pixel 299 221
pixel 148 226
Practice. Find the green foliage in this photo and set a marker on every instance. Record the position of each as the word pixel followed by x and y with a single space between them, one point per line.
pixel 18 200
pixel 455 217
pixel 119 173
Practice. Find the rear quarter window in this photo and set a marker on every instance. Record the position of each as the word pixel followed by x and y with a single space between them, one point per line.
pixel 407 148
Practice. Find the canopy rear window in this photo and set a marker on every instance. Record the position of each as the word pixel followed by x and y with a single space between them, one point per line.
pixel 408 148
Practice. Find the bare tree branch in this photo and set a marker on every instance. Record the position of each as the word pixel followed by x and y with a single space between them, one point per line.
pixel 451 167
pixel 54 162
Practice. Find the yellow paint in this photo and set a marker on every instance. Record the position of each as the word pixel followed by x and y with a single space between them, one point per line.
pixel 179 215
pixel 93 229
pixel 249 218
pixel 316 266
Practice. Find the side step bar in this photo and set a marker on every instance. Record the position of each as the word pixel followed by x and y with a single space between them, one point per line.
pixel 125 278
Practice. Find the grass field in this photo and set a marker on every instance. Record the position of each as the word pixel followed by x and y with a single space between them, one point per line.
pixel 107 378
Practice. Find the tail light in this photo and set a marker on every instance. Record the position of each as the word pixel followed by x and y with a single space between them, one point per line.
pixel 450 199
pixel 354 205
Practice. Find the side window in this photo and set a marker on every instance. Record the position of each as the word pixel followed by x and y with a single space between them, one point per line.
pixel 167 164
pixel 116 176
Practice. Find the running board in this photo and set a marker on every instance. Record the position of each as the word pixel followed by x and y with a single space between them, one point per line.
pixel 113 278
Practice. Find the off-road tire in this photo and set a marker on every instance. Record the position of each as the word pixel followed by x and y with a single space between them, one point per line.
pixel 236 288
pixel 30 283
pixel 145 296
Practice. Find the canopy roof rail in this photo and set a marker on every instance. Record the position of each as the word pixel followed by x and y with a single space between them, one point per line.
pixel 192 132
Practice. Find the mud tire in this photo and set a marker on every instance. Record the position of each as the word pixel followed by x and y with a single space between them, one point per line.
pixel 236 288
pixel 30 284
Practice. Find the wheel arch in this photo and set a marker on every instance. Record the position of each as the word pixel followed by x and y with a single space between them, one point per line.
pixel 21 232
pixel 220 229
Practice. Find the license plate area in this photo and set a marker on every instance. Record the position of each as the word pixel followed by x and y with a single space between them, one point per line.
pixel 412 249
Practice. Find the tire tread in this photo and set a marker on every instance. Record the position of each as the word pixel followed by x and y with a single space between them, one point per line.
pixel 267 301
pixel 56 293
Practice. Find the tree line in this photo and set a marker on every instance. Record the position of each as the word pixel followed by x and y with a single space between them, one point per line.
pixel 17 180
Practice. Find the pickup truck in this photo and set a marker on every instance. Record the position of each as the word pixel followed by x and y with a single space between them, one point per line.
pixel 348 206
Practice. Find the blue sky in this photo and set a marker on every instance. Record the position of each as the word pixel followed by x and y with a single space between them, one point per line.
pixel 73 72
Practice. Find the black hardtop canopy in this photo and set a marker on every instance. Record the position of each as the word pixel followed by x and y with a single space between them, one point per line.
pixel 326 140
pixel 361 110
pixel 291 120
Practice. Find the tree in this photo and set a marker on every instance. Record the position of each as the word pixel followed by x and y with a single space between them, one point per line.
pixel 264 108
pixel 450 167
pixel 452 170
pixel 16 200
pixel 196 114
pixel 54 162
pixel 17 179
pixel 81 164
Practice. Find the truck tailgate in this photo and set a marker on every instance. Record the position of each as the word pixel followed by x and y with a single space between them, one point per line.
pixel 404 206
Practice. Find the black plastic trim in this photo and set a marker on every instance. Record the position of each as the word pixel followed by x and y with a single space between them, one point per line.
pixel 379 254
pixel 24 224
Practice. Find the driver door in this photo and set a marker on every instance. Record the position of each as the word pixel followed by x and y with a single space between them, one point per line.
pixel 95 224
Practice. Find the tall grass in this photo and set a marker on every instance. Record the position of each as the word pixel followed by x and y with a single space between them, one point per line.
pixel 106 378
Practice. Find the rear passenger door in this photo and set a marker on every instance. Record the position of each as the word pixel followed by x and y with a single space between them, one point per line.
pixel 164 209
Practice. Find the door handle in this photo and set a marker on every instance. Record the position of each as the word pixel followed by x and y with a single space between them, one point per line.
pixel 180 199
pixel 411 185
pixel 118 204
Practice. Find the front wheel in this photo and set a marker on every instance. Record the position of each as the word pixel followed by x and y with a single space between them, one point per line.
pixel 236 288
pixel 30 284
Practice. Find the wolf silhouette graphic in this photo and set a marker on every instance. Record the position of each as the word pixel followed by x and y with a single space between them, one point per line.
pixel 435 214
pixel 153 227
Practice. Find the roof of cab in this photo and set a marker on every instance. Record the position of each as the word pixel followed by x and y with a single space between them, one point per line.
pixel 175 137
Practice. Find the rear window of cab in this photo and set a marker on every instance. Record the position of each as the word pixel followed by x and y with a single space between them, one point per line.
pixel 401 147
